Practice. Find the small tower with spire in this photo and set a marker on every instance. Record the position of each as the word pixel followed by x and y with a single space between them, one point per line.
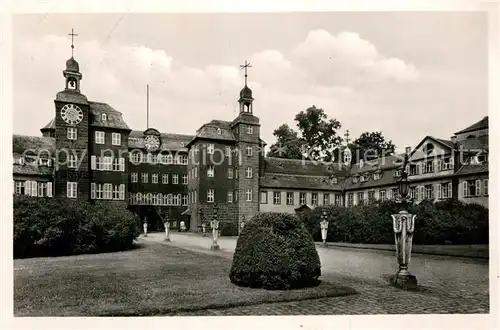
pixel 72 72
pixel 246 98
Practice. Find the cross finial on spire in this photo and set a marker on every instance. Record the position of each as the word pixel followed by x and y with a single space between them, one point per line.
pixel 346 136
pixel 72 34
pixel 245 66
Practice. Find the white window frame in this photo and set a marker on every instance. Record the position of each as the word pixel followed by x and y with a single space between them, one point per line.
pixel 249 194
pixel 485 186
pixel 230 173
pixel 249 129
pixel 276 197
pixel 185 180
pixel 116 139
pixel 71 189
pixel 100 137
pixel 263 197
pixel 249 151
pixel 154 178
pixel 249 172
pixel 175 178
pixel 210 195
pixel 164 178
pixel 72 161
pixel 133 177
pixel 289 198
pixel 72 133
pixel 144 177
pixel 210 171
pixel 314 199
pixel 210 148
pixel 230 196
pixel 326 199
pixel 382 194
pixel 302 198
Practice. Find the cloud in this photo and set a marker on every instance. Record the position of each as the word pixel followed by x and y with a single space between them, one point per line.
pixel 324 69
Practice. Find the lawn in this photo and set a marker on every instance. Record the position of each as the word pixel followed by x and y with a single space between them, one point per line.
pixel 154 279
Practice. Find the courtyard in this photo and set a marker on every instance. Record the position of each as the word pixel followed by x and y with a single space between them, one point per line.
pixel 184 277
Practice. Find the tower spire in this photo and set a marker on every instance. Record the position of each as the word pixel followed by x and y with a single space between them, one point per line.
pixel 245 66
pixel 72 34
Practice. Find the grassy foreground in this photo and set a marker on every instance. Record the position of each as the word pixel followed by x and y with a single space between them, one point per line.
pixel 154 279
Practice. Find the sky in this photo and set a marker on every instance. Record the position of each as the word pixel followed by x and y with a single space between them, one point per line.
pixel 407 74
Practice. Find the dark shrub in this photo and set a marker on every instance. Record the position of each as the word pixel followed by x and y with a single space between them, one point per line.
pixel 275 251
pixel 228 228
pixel 443 222
pixel 53 227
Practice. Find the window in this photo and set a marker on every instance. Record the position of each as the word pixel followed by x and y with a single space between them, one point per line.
pixel 175 178
pixel 133 177
pixel 314 199
pixel 136 157
pixel 362 178
pixel 210 171
pixel 219 131
pixel 485 185
pixel 19 187
pixel 116 139
pixel 248 194
pixel 230 173
pixel 169 159
pixel 381 195
pixel 249 129
pixel 249 172
pixel 170 199
pixel 355 179
pixel 144 177
pixel 397 173
pixel 177 199
pixel 277 198
pixel 429 191
pixel 72 135
pixel 361 196
pixel 184 200
pixel 42 189
pixel 164 178
pixel 210 149
pixel 447 164
pixel 472 188
pixel 184 179
pixel 429 166
pixel 394 193
pixel 210 195
pixel 302 198
pixel 413 193
pixel 72 161
pixel 116 164
pixel 99 137
pixel 228 151
pixel 289 198
pixel 326 199
pixel 444 190
pixel 184 159
pixel 104 117
pixel 71 189
pixel 413 169
pixel 376 176
pixel 249 151
pixel 263 197
pixel 230 196
pixel 350 199
pixel 371 196
pixel 338 199
pixel 154 178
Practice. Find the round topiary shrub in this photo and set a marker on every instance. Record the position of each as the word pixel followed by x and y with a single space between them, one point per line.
pixel 276 252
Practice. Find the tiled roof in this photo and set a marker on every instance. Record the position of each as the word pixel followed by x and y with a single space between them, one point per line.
pixel 482 124
pixel 50 126
pixel 478 143
pixel 114 119
pixel 473 169
pixel 296 167
pixel 449 143
pixel 20 143
pixel 383 163
pixel 246 118
pixel 168 141
pixel 71 97
pixel 32 168
pixel 212 129
pixel 387 178
pixel 285 181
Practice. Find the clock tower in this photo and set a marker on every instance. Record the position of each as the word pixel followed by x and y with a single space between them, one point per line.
pixel 72 136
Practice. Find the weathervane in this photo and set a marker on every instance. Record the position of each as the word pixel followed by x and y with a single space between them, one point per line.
pixel 72 34
pixel 245 66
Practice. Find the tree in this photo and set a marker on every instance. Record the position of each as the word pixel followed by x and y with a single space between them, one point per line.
pixel 288 143
pixel 369 146
pixel 319 133
pixel 318 137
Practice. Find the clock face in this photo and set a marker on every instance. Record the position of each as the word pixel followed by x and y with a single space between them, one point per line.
pixel 151 142
pixel 71 114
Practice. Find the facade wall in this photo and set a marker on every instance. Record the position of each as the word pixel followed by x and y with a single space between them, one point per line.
pixel 284 206
pixel 479 198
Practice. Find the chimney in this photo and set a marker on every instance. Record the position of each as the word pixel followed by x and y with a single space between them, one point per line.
pixel 407 150
pixel 454 139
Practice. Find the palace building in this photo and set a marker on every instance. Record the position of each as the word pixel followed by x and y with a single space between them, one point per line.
pixel 87 151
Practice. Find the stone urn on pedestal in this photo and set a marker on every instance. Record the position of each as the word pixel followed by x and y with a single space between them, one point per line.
pixel 214 224
pixel 324 228
pixel 403 224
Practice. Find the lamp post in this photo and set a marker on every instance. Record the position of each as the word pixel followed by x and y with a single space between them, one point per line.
pixel 403 225
pixel 324 228
pixel 145 226
pixel 203 224
pixel 214 224
pixel 167 228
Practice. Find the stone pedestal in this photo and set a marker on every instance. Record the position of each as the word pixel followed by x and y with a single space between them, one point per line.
pixel 215 247
pixel 324 244
pixel 145 227
pixel 167 231
pixel 403 225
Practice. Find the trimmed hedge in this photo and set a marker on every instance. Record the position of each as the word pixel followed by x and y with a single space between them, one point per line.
pixel 443 222
pixel 55 227
pixel 275 251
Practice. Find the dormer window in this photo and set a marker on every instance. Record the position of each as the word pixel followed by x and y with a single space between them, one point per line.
pixel 376 176
pixel 182 144
pixel 362 178
pixel 44 162
pixel 104 117
pixel 355 179
pixel 334 180
pixel 249 129
pixel 219 131
pixel 19 161
pixel 397 173
pixel 429 147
